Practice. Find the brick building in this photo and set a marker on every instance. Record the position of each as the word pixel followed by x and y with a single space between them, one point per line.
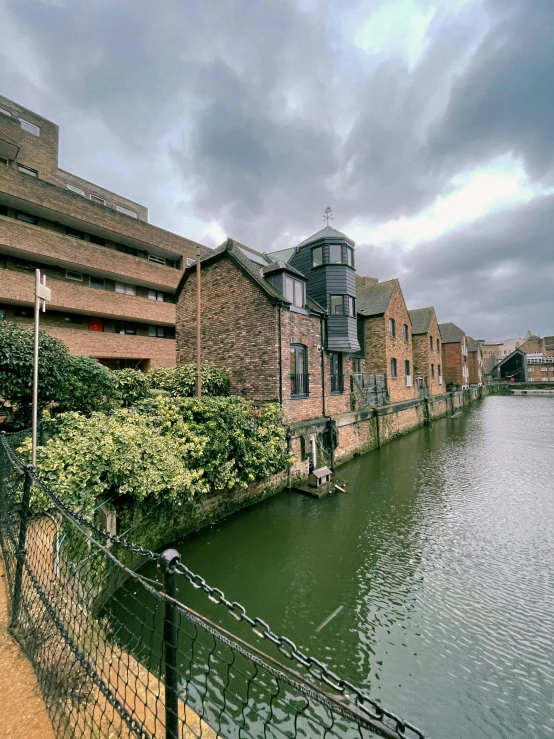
pixel 387 336
pixel 455 369
pixel 533 345
pixel 540 367
pixel 112 274
pixel 474 361
pixel 427 351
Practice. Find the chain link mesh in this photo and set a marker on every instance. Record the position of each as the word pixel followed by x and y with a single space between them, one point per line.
pixel 117 656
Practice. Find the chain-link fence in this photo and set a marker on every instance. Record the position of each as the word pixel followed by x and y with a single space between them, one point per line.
pixel 116 655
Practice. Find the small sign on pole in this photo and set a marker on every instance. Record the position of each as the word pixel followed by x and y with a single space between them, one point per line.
pixel 42 294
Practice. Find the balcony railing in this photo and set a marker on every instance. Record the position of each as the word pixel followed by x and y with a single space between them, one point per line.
pixel 373 386
pixel 300 386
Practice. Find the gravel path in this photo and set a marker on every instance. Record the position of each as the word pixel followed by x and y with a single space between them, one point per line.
pixel 22 710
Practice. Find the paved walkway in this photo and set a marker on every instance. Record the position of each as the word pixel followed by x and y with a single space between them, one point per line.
pixel 22 710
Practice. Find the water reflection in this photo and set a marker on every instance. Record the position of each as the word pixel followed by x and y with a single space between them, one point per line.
pixel 442 557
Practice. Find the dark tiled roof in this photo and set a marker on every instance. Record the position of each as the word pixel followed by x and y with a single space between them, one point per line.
pixel 326 233
pixel 279 266
pixel 472 345
pixel 450 333
pixel 421 319
pixel 374 299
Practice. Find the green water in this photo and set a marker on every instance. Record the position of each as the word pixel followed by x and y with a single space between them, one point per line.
pixel 440 558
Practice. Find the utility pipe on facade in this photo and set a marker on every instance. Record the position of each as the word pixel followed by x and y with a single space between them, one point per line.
pixel 198 335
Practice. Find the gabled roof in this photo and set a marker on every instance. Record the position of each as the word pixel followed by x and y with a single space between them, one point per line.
pixel 421 319
pixel 450 333
pixel 236 252
pixel 472 345
pixel 282 266
pixel 499 364
pixel 326 233
pixel 374 299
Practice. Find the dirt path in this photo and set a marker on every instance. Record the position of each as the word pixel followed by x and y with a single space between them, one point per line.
pixel 22 710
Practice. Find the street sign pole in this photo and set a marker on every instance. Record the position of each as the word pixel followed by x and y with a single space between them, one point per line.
pixel 42 293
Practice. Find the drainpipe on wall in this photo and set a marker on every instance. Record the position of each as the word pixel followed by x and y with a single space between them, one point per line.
pixel 280 360
pixel 322 369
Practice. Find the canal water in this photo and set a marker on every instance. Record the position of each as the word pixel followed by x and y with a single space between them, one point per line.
pixel 438 564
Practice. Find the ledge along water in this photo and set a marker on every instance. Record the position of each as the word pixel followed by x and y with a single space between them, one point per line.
pixel 430 583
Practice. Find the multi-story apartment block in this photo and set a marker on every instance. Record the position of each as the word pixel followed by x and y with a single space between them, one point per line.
pixel 427 351
pixel 454 356
pixel 112 274
pixel 474 361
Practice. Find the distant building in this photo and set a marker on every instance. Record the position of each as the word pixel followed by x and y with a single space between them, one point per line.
pixel 112 274
pixel 495 351
pixel 475 361
pixel 513 367
pixel 533 345
pixel 540 368
pixel 427 351
pixel 454 356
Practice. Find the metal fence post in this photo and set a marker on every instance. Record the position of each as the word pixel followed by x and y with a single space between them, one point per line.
pixel 21 552
pixel 171 635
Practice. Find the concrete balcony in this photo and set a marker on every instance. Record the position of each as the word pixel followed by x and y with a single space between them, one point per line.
pixel 159 352
pixel 45 245
pixel 54 203
pixel 19 287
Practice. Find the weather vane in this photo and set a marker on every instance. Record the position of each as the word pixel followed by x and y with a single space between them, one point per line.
pixel 328 214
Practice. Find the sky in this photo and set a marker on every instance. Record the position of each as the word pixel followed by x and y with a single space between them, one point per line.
pixel 427 126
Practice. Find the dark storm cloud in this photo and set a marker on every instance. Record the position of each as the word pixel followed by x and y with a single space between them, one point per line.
pixel 262 113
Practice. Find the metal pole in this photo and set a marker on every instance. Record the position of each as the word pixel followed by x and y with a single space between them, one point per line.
pixel 171 636
pixel 21 552
pixel 35 369
pixel 198 337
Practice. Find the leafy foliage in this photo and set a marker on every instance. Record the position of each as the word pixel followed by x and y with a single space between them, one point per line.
pixel 16 370
pixel 181 381
pixel 88 385
pixel 131 386
pixel 166 450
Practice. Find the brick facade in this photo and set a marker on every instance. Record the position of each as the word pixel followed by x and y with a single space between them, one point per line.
pixel 453 361
pixel 45 225
pixel 475 366
pixel 381 347
pixel 428 358
pixel 534 345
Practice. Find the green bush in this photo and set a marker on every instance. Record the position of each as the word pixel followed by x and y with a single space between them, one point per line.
pixel 167 450
pixel 181 381
pixel 131 386
pixel 16 370
pixel 88 386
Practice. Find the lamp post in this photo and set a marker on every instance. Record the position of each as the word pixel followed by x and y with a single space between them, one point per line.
pixel 42 293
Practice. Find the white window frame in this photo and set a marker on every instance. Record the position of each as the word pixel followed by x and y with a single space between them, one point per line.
pixel 5 112
pixel 77 278
pixel 156 295
pixel 97 199
pixel 156 259
pixel 30 127
pixel 126 211
pixel 76 190
pixel 27 170
pixel 123 288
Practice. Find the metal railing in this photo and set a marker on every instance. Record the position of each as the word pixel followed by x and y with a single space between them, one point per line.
pixel 373 386
pixel 300 385
pixel 140 663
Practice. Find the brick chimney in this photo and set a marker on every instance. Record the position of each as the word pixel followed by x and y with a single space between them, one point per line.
pixel 365 281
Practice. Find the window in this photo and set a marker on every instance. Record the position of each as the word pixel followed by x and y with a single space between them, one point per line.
pixel 97 240
pixel 157 331
pixel 393 367
pixel 432 371
pixel 156 295
pixel 431 343
pixel 351 305
pixel 294 291
pixel 317 256
pixel 95 324
pixel 97 199
pixel 299 378
pixel 21 312
pixel 27 170
pixel 335 254
pixel 356 365
pixel 30 127
pixel 127 250
pixel 126 211
pixel 438 345
pixel 5 112
pixel 76 190
pixel 337 379
pixel 124 289
pixel 392 327
pixel 76 276
pixel 72 318
pixel 96 282
pixel 405 333
pixel 531 369
pixel 349 256
pixel 26 218
pixel 439 371
pixel 125 327
pixel 154 258
pixel 3 210
pixel 336 304
pixel 407 373
pixel 25 265
pixel 190 262
pixel 75 233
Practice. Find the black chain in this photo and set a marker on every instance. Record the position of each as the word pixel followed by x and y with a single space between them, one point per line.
pixel 288 648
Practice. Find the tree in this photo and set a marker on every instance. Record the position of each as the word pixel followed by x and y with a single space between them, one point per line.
pixel 16 371
pixel 88 386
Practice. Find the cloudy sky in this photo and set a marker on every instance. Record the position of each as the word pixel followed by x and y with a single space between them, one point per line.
pixel 427 125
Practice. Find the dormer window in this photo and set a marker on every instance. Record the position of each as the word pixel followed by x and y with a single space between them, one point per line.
pixel 294 292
